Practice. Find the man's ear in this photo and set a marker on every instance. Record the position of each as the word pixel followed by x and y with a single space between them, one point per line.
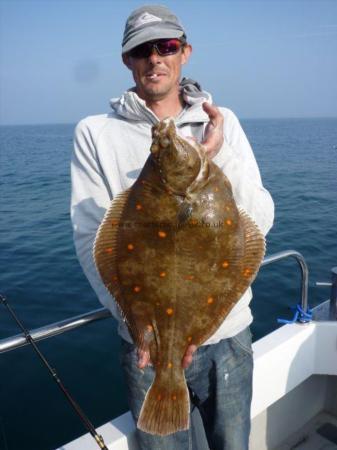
pixel 186 53
pixel 126 60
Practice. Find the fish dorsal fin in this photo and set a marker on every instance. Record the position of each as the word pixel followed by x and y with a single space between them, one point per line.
pixel 254 251
pixel 246 269
pixel 105 247
pixel 255 246
pixel 105 256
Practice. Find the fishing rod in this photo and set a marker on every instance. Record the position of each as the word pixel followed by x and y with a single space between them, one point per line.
pixel 98 438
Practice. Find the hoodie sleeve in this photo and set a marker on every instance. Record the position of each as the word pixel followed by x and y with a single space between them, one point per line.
pixel 90 197
pixel 237 161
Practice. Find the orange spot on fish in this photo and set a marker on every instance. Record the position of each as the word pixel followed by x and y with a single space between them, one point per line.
pixel 131 246
pixel 162 234
pixel 114 222
pixel 159 397
pixel 174 397
pixel 162 274
pixel 189 277
pixel 169 365
pixel 137 289
pixel 225 264
pixel 169 311
pixel 229 222
pixel 193 222
pixel 247 272
pixel 216 189
pixel 228 208
pixel 189 338
pixel 210 300
pixel 139 207
pixel 109 250
pixel 149 328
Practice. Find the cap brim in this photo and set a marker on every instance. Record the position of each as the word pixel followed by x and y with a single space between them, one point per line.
pixel 150 34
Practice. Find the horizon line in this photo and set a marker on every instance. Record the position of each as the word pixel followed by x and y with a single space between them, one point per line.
pixel 240 118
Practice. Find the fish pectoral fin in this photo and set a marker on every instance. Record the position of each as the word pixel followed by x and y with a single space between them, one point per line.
pixel 184 213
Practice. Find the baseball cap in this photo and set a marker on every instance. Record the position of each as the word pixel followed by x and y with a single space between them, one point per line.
pixel 148 23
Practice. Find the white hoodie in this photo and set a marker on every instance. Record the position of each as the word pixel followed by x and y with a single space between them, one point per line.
pixel 109 153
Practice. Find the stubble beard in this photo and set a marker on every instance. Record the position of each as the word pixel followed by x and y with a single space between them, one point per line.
pixel 155 93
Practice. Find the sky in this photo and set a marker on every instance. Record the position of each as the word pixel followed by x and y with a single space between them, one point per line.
pixel 60 60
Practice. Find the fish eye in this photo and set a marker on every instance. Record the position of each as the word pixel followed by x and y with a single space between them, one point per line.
pixel 164 142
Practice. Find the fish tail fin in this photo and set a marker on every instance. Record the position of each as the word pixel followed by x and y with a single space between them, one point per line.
pixel 166 408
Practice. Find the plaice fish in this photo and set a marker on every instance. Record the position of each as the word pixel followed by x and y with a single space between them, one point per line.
pixel 177 254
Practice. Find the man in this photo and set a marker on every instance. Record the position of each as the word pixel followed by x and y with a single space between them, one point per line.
pixel 110 151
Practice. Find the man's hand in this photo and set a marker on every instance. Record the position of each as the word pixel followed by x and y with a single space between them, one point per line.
pixel 214 130
pixel 187 359
pixel 144 357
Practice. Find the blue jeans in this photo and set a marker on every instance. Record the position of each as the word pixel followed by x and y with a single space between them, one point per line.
pixel 220 384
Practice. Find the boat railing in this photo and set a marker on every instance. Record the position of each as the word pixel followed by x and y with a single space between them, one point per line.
pixel 47 331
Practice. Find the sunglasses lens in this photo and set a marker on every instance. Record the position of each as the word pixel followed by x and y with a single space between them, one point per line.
pixel 142 51
pixel 169 47
pixel 164 47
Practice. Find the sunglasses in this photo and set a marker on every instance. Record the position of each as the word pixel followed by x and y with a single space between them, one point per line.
pixel 163 47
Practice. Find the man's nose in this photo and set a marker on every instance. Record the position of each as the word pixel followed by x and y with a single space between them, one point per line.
pixel 154 57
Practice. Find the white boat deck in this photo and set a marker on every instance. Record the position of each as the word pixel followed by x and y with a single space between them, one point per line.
pixel 320 433
pixel 294 388
pixel 294 381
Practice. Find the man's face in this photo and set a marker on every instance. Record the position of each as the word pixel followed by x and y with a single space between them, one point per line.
pixel 157 77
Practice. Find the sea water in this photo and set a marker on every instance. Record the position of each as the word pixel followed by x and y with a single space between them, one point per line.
pixel 44 283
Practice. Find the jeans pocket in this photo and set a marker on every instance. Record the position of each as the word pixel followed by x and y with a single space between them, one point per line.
pixel 244 340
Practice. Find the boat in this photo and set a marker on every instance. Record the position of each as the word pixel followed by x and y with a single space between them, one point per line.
pixel 294 403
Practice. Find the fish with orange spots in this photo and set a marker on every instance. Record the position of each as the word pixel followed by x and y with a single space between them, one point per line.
pixel 174 272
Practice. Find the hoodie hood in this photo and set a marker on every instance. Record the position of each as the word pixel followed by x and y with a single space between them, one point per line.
pixel 132 107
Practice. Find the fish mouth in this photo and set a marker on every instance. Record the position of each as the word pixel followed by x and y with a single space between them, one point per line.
pixel 170 151
pixel 165 127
